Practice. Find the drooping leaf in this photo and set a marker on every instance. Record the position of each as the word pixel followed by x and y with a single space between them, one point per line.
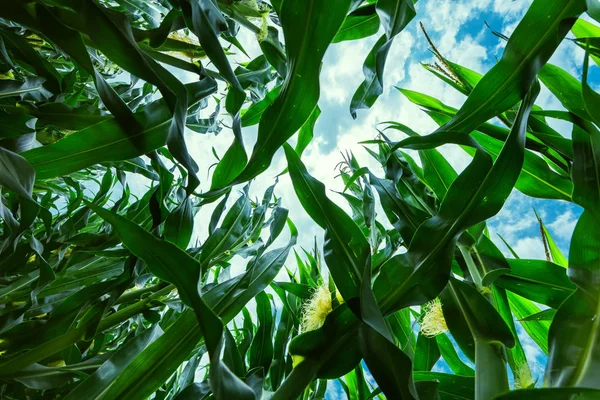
pixel 394 16
pixel 261 350
pixel 480 332
pixel 459 210
pixel 93 385
pixel 174 265
pixel 300 92
pixel 530 46
pixel 360 23
pixel 107 141
pixel 346 249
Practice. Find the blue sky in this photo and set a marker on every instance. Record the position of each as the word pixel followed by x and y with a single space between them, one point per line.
pixel 458 30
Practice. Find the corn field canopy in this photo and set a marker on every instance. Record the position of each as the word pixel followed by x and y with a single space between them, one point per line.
pixel 132 268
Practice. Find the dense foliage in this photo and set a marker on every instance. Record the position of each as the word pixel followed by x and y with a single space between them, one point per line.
pixel 105 294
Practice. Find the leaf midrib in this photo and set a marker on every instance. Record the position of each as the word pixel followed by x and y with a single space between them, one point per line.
pixel 437 172
pixel 147 371
pixel 226 234
pixel 291 73
pixel 357 24
pixel 519 137
pixel 517 70
pixel 542 283
pixel 438 246
pixel 534 176
pixel 399 204
pixel 334 231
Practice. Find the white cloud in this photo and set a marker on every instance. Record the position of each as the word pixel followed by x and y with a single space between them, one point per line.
pixel 517 224
pixel 449 16
pixel 511 10
pixel 471 53
pixel 530 248
pixel 342 69
pixel 563 225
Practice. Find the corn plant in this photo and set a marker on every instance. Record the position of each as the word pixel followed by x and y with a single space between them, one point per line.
pixel 109 291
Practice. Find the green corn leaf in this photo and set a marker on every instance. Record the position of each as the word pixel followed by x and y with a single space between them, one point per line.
pixel 299 290
pixel 394 16
pixel 537 280
pixel 15 125
pixel 71 42
pixel 360 23
pixel 356 384
pixel 65 117
pixel 557 257
pixel 516 355
pixel 574 334
pixel 31 87
pixel 17 175
pixel 388 364
pixel 591 99
pixel 160 360
pixel 273 51
pixel 305 135
pixel 179 225
pixel 537 329
pixel 21 49
pixel 173 265
pixel 282 335
pixel 448 352
pixel 261 350
pixel 107 141
pixel 427 353
pixel 466 316
pixel 551 394
pixel 207 21
pixel 232 231
pixel 480 332
pixel 537 179
pixel 93 385
pixel 450 386
pixel 438 173
pixel 346 249
pixel 402 215
pixel 566 88
pixel 254 113
pixel 532 43
pixel 231 355
pixel 401 328
pixel 40 377
pixel 394 290
pixel 308 30
pixel 462 207
pixel 583 29
pixel 546 315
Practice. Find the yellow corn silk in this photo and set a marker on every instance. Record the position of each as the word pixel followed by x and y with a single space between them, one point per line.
pixel 316 309
pixel 433 322
pixel 523 379
pixel 314 312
